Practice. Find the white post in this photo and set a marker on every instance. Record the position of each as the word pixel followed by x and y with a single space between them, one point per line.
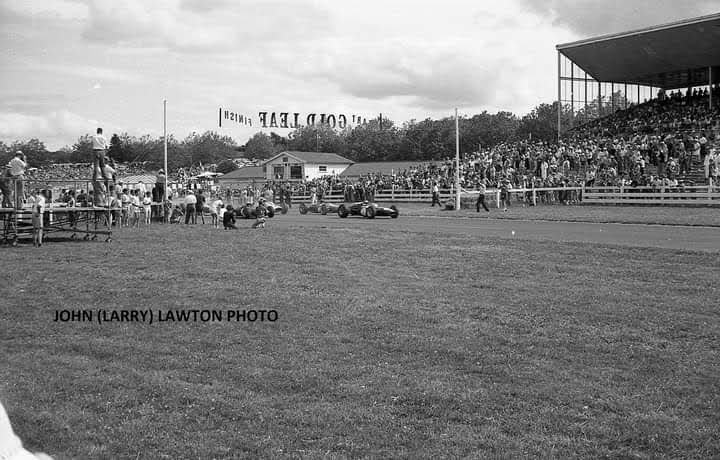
pixel 165 164
pixel 457 162
pixel 710 87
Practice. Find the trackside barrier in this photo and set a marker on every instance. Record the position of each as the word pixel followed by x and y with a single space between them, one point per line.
pixel 707 195
pixel 492 196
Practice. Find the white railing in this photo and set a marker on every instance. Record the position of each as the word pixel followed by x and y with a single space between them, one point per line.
pixel 676 196
pixel 707 195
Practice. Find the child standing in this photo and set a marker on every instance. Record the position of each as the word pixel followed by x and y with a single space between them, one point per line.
pixel 147 201
pixel 38 210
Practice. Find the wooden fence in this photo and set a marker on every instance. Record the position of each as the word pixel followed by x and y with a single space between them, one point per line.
pixel 708 195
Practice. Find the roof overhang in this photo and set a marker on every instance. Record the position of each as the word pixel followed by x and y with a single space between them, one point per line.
pixel 669 56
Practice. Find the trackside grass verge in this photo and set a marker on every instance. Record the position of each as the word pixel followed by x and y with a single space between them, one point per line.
pixel 415 345
pixel 581 213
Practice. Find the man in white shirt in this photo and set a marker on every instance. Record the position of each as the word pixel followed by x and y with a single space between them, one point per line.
pixel 215 213
pixel 17 171
pixel 99 146
pixel 190 202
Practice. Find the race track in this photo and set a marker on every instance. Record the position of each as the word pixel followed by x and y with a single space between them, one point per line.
pixel 635 235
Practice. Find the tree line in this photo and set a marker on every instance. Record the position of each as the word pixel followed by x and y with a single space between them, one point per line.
pixel 378 140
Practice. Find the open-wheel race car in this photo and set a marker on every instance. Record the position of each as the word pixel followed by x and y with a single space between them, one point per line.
pixel 321 208
pixel 367 209
pixel 249 211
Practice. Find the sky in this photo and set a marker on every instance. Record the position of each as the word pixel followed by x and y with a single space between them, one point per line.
pixel 69 66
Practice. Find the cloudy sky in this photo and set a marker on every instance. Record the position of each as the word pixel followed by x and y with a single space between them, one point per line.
pixel 68 66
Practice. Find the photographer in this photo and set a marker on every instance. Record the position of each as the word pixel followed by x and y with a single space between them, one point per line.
pixel 17 172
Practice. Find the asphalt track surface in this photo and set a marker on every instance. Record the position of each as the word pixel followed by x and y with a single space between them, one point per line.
pixel 689 238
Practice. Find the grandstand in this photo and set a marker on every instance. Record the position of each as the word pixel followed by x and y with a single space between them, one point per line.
pixel 679 55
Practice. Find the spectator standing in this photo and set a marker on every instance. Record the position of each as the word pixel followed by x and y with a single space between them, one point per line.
pixel 505 193
pixel 435 195
pixel 99 146
pixel 215 211
pixel 481 196
pixel 200 206
pixel 38 211
pixel 5 187
pixel 17 167
pixel 190 202
pixel 147 203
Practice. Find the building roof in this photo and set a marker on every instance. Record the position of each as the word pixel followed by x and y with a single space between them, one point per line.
pixel 313 157
pixel 381 167
pixel 669 56
pixel 248 172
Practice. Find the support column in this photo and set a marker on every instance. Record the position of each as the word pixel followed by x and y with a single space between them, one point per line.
pixel 710 87
pixel 585 106
pixel 612 96
pixel 625 96
pixel 599 99
pixel 572 93
pixel 559 105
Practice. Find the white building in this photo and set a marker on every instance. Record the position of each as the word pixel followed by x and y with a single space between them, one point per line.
pixel 293 165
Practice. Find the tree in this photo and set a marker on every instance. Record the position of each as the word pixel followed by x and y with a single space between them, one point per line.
pixel 34 150
pixel 541 123
pixel 226 166
pixel 371 142
pixel 317 138
pixel 259 146
pixel 209 147
pixel 116 148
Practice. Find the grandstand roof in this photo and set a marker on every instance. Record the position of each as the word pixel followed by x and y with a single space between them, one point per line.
pixel 248 172
pixel 381 167
pixel 669 56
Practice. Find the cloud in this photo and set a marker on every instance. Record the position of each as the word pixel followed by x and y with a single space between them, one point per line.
pixel 192 26
pixel 47 9
pixel 50 128
pixel 590 17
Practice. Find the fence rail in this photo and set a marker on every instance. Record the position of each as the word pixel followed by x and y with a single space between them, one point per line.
pixel 672 196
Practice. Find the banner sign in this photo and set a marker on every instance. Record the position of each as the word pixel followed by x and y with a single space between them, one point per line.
pixel 233 118
pixel 290 120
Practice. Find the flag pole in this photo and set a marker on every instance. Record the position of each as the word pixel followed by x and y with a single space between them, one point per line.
pixel 165 164
pixel 457 162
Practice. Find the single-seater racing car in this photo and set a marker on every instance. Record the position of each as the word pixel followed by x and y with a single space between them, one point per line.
pixel 249 211
pixel 367 209
pixel 322 208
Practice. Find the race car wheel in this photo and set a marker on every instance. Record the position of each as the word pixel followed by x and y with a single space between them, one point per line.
pixel 303 208
pixel 270 212
pixel 396 213
pixel 323 210
pixel 245 211
pixel 342 211
pixel 284 209
pixel 370 212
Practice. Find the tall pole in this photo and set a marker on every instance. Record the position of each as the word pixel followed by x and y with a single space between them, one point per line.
pixel 457 161
pixel 558 100
pixel 167 173
pixel 710 87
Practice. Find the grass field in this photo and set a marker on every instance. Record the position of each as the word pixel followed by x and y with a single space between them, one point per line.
pixel 388 344
pixel 657 215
